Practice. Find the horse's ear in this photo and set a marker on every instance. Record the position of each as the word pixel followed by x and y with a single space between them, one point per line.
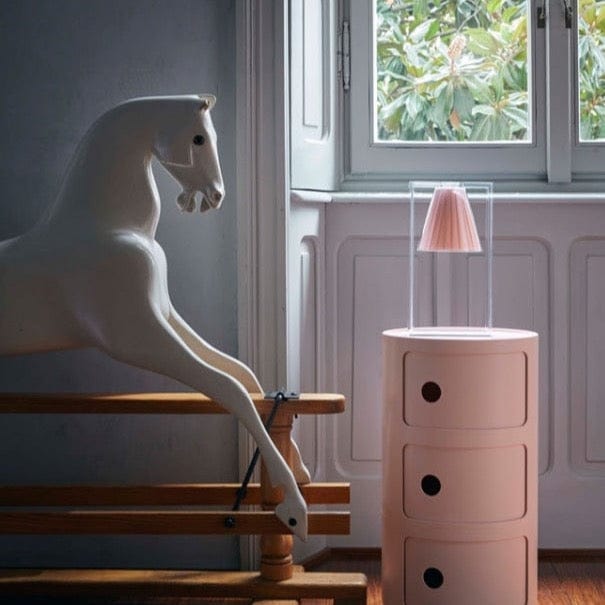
pixel 208 102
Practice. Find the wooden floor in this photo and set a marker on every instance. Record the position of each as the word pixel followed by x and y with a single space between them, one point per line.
pixel 574 580
pixel 563 580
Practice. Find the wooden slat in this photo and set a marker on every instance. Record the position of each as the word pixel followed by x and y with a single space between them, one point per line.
pixel 164 583
pixel 157 403
pixel 275 602
pixel 199 494
pixel 164 522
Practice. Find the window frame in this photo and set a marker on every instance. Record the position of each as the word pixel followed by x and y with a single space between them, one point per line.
pixel 587 158
pixel 555 157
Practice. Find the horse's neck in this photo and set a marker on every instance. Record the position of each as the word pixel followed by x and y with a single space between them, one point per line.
pixel 109 184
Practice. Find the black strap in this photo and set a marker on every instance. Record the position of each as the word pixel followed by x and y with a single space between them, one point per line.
pixel 278 398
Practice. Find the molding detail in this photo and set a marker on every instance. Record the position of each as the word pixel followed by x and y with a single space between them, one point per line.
pixel 587 350
pixel 262 202
pixel 359 259
pixel 522 299
pixel 309 427
pixel 262 192
pixel 369 265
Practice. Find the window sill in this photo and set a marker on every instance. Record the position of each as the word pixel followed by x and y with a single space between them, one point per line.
pixel 394 197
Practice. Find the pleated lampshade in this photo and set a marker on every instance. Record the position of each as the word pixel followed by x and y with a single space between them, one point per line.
pixel 449 225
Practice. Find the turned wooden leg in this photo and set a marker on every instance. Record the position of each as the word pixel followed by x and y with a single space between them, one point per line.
pixel 276 550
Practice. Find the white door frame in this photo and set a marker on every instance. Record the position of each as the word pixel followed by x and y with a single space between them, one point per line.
pixel 262 201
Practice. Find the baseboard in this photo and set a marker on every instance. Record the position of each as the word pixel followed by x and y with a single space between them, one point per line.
pixel 571 553
pixel 364 553
pixel 544 554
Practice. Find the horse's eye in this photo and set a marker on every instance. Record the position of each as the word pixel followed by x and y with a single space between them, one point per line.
pixel 198 139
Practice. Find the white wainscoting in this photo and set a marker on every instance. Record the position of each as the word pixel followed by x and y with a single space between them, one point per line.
pixel 587 331
pixel 306 343
pixel 348 282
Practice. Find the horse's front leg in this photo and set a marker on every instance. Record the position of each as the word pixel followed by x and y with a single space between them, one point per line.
pixel 147 340
pixel 213 357
pixel 237 370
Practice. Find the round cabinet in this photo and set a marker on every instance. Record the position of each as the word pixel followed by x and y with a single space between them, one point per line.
pixel 460 468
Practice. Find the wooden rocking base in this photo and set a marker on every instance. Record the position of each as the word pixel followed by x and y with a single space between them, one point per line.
pixel 279 582
pixel 344 588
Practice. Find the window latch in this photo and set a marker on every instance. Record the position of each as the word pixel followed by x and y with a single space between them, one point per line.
pixel 541 15
pixel 568 10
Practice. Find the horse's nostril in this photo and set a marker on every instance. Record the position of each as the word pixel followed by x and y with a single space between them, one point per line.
pixel 217 196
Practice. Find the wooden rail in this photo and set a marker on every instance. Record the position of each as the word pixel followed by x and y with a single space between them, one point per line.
pixel 158 403
pixel 278 580
pixel 180 494
pixel 349 588
pixel 164 523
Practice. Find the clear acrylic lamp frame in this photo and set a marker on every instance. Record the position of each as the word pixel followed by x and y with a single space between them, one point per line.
pixel 450 256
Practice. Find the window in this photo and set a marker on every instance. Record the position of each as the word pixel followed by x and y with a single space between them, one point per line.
pixel 452 72
pixel 506 89
pixel 591 71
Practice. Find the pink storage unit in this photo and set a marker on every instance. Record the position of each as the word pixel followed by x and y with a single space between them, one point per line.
pixel 460 468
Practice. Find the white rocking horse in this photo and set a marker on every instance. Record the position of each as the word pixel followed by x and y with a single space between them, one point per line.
pixel 90 273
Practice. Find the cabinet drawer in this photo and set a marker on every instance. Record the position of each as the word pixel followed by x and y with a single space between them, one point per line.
pixel 464 485
pixel 465 391
pixel 460 573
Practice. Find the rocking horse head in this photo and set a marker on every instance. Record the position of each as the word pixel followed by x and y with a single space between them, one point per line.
pixel 186 146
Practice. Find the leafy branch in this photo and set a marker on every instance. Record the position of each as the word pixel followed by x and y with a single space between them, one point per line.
pixel 452 71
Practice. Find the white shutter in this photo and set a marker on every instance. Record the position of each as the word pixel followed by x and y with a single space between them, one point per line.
pixel 313 94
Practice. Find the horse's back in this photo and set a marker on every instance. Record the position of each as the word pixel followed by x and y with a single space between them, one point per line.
pixel 55 293
pixel 33 315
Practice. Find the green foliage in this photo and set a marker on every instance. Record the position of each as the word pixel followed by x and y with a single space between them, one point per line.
pixel 591 67
pixel 457 70
pixel 452 70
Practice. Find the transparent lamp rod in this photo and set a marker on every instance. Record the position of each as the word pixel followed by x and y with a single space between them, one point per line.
pixel 412 263
pixel 489 227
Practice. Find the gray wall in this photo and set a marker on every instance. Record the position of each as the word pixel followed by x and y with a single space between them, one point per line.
pixel 63 63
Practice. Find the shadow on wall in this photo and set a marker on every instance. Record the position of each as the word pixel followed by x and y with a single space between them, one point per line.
pixel 62 65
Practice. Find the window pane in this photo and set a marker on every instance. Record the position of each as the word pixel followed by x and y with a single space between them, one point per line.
pixel 591 69
pixel 453 71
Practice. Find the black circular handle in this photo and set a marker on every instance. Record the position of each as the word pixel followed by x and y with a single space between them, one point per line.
pixel 431 392
pixel 430 485
pixel 432 577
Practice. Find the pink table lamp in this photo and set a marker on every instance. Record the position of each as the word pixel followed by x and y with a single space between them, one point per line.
pixel 450 271
pixel 449 225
